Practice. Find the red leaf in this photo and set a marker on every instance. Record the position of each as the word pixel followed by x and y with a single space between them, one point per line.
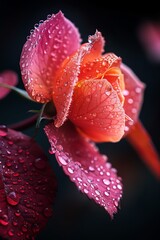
pixel 27 186
pixel 86 167
pixel 7 77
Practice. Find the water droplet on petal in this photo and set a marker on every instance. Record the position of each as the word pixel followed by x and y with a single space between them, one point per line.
pixel 70 170
pixel 3 130
pixel 11 233
pixel 52 151
pixel 10 142
pixel 4 220
pixel 62 160
pixel 40 163
pixel 13 198
pixel 107 93
pixel 106 193
pixel 125 92
pixel 106 181
pixel 138 90
pixel 48 212
pixel 59 148
pixel 17 213
pixel 85 191
pixel 91 168
pixel 24 228
pixel 119 187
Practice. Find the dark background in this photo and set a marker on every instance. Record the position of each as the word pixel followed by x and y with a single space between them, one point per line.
pixel 75 216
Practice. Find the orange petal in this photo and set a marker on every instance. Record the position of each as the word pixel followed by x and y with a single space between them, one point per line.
pixel 68 75
pixel 97 111
pixel 64 86
pixel 98 67
pixel 95 47
pixel 141 141
pixel 115 77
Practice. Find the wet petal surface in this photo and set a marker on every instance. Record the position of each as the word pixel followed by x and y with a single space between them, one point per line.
pixel 68 75
pixel 46 48
pixel 133 93
pixel 86 167
pixel 27 186
pixel 97 111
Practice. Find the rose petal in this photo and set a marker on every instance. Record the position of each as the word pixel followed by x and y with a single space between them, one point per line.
pixel 142 142
pixel 95 47
pixel 48 45
pixel 97 111
pixel 27 186
pixel 7 77
pixel 64 85
pixel 149 36
pixel 133 93
pixel 107 67
pixel 68 75
pixel 85 166
pixel 98 67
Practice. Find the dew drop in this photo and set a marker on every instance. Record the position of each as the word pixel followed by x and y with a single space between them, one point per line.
pixel 126 128
pixel 130 100
pixel 125 92
pixel 4 220
pixel 91 169
pixel 17 213
pixel 119 187
pixel 15 223
pixel 48 212
pixel 13 198
pixel 40 163
pixel 70 170
pixel 24 228
pixel 3 130
pixel 138 90
pixel 106 181
pixel 10 142
pixel 52 150
pixel 59 148
pixel 21 160
pixel 106 193
pixel 62 160
pixel 107 93
pixel 85 191
pixel 11 233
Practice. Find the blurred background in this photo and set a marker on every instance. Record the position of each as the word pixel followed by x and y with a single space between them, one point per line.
pixel 75 216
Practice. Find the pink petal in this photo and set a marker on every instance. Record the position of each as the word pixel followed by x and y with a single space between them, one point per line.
pixel 149 36
pixel 27 186
pixel 67 76
pixel 97 111
pixel 85 166
pixel 7 77
pixel 48 45
pixel 133 93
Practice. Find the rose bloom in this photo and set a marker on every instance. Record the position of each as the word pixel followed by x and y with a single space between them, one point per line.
pixel 96 98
